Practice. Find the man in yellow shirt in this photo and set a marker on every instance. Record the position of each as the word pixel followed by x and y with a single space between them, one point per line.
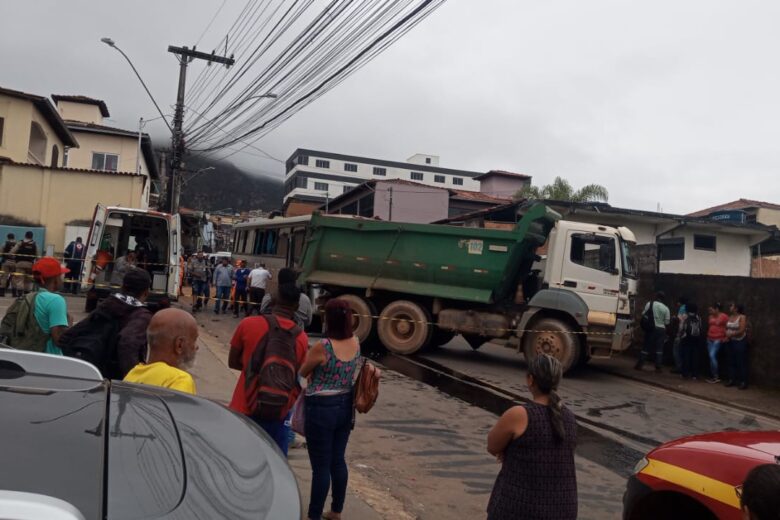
pixel 172 335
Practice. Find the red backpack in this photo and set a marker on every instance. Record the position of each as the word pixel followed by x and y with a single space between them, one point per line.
pixel 272 374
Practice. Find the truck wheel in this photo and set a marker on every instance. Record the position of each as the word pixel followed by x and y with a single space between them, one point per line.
pixel 404 327
pixel 362 321
pixel 554 339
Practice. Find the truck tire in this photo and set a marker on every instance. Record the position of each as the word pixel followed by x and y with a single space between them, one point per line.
pixel 404 327
pixel 555 339
pixel 362 321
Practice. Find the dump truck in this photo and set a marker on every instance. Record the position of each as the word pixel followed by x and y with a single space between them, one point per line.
pixel 546 286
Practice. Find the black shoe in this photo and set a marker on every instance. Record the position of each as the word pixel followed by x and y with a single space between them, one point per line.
pixel 743 386
pixel 729 383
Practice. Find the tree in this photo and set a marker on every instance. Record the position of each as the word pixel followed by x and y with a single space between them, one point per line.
pixel 561 189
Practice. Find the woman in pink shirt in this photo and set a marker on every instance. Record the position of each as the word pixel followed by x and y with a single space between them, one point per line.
pixel 716 335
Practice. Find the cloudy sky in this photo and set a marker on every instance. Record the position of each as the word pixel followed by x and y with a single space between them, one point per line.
pixel 670 103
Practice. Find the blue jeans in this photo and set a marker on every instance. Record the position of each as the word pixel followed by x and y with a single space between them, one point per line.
pixel 713 347
pixel 222 297
pixel 200 288
pixel 328 423
pixel 276 430
pixel 738 361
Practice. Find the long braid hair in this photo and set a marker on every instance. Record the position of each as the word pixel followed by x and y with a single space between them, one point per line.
pixel 547 373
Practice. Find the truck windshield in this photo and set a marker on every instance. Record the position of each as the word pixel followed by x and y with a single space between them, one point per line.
pixel 629 266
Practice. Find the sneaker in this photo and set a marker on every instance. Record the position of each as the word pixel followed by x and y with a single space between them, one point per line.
pixel 713 380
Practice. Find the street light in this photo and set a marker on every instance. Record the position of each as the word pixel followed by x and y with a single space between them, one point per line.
pixel 111 43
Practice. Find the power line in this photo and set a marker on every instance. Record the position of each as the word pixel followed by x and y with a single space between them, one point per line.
pixel 211 22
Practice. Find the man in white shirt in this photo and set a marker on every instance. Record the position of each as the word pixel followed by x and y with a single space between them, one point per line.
pixel 258 281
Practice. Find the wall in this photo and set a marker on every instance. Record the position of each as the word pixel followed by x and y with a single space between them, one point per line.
pixel 411 203
pixel 83 112
pixel 760 299
pixel 125 147
pixel 768 217
pixel 766 267
pixel 732 257
pixel 18 115
pixel 297 208
pixel 54 197
pixel 501 186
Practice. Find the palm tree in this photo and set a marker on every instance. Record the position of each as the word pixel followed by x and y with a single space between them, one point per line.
pixel 561 189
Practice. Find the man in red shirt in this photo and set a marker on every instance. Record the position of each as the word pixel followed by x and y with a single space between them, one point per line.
pixel 246 339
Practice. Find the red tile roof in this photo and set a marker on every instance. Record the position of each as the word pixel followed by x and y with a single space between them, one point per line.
pixel 735 205
pixel 478 196
pixel 83 100
pixel 502 173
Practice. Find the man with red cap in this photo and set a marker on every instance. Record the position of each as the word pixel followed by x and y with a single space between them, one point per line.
pixel 51 310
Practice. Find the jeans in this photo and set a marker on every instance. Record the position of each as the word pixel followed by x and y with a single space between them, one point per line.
pixel 200 289
pixel 688 354
pixel 255 298
pixel 240 297
pixel 713 347
pixel 276 430
pixel 654 346
pixel 222 297
pixel 328 424
pixel 738 361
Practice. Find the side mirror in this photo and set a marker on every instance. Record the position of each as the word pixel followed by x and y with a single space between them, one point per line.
pixel 613 271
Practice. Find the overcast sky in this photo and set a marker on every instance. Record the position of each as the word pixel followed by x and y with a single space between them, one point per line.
pixel 664 102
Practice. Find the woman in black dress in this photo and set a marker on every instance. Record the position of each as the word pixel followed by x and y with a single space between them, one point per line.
pixel 535 445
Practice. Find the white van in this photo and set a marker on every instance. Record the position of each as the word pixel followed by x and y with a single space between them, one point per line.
pixel 152 234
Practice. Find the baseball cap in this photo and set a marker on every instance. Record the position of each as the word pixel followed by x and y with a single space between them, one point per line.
pixel 49 267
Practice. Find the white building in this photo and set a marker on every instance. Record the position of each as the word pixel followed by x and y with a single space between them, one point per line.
pixel 312 176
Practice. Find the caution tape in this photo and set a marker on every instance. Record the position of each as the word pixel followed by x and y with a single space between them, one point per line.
pixel 32 258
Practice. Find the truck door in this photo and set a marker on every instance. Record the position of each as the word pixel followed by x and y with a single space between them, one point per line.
pixel 89 270
pixel 174 256
pixel 591 269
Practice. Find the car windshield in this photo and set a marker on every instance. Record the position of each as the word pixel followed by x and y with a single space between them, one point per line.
pixel 629 265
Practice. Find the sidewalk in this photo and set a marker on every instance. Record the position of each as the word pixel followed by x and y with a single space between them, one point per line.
pixel 759 401
pixel 214 380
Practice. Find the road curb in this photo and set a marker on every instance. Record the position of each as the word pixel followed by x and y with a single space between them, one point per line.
pixel 723 402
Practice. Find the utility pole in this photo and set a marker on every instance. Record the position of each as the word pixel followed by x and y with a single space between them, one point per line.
pixel 390 212
pixel 185 56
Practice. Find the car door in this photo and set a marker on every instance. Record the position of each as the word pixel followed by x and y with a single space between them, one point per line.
pixel 591 269
pixel 89 269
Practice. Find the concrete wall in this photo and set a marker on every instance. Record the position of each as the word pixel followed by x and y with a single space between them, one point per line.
pixel 419 204
pixel 80 112
pixel 732 258
pixel 759 297
pixel 500 186
pixel 18 115
pixel 54 197
pixel 125 147
pixel 768 217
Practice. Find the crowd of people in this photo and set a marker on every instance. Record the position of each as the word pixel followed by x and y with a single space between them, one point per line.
pixel 279 371
pixel 724 336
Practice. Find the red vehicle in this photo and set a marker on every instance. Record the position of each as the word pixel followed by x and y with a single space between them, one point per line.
pixel 699 476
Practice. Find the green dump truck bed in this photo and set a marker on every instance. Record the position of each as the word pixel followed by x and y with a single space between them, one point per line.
pixel 458 263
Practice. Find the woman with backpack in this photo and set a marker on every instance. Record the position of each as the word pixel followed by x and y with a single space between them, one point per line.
pixel 330 365
pixel 690 339
pixel 535 445
pixel 736 332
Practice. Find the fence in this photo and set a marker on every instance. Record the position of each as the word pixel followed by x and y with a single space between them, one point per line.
pixel 761 298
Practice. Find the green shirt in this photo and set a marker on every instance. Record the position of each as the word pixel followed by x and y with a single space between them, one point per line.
pixel 661 314
pixel 50 311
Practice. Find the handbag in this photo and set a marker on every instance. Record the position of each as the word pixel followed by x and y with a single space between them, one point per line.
pixel 366 387
pixel 298 419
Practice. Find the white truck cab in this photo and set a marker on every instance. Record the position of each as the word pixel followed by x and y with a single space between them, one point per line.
pixel 153 235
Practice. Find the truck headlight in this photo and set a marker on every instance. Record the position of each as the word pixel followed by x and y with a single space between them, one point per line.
pixel 642 464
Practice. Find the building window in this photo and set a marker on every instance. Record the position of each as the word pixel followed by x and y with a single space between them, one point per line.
pixel 303 159
pixel 380 171
pixel 55 156
pixel 319 163
pixel 427 160
pixel 320 186
pixel 65 157
pixel 438 178
pixel 705 242
pixel 457 181
pixel 2 123
pixel 349 167
pixel 593 251
pixel 417 176
pixel 301 182
pixel 346 188
pixel 105 161
pixel 671 249
pixel 37 148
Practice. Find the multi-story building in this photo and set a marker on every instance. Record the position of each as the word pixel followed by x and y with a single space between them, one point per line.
pixel 314 176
